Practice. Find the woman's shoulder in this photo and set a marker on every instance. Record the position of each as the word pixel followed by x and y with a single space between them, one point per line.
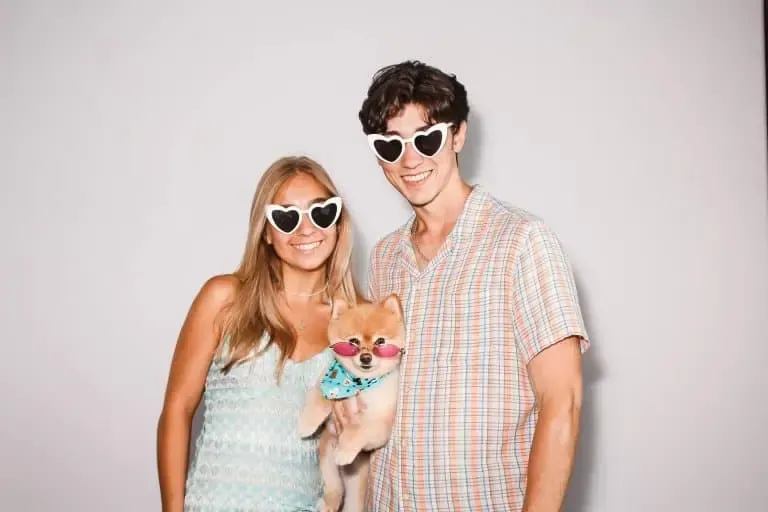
pixel 218 292
pixel 222 287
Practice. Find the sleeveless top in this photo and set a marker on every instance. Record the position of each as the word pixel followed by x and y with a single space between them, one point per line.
pixel 248 455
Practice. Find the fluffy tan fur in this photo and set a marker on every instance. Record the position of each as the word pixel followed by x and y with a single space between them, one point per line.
pixel 344 460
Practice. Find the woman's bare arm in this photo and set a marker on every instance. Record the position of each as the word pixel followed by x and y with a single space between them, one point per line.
pixel 192 357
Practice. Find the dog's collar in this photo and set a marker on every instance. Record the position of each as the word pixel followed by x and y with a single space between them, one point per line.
pixel 339 383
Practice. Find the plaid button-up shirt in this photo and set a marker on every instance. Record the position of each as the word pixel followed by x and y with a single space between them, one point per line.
pixel 499 291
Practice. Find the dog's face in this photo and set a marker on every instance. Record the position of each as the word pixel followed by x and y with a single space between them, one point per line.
pixel 369 338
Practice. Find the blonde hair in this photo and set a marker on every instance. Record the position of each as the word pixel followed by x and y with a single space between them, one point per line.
pixel 254 310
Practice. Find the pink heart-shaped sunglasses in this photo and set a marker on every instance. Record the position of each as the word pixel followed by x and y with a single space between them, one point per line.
pixel 349 349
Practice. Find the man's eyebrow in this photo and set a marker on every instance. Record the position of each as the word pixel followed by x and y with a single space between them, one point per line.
pixel 420 128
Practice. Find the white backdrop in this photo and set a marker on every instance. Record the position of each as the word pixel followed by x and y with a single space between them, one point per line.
pixel 132 136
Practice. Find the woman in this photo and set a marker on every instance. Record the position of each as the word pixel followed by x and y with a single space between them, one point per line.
pixel 255 341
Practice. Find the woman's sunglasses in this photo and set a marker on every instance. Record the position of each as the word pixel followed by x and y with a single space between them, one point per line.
pixel 287 219
pixel 427 143
pixel 349 349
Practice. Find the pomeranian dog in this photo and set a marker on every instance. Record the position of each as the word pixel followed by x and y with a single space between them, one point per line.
pixel 368 340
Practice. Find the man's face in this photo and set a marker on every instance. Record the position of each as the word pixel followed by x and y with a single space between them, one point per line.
pixel 418 176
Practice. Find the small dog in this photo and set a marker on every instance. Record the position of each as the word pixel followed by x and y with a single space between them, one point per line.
pixel 368 341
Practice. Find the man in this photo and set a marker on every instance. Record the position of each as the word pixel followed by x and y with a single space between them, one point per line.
pixel 491 383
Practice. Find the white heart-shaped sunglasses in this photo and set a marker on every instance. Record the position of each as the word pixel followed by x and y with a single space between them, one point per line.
pixel 427 143
pixel 287 219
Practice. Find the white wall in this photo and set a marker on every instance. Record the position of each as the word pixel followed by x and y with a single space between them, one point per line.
pixel 132 137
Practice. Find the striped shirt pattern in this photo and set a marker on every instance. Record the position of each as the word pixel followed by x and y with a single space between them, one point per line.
pixel 499 290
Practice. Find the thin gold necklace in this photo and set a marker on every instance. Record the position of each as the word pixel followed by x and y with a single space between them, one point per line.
pixel 318 292
pixel 416 244
pixel 300 325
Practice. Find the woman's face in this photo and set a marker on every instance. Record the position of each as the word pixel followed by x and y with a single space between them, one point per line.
pixel 308 246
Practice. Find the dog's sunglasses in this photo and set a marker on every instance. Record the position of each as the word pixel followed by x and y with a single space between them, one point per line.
pixel 349 349
pixel 427 142
pixel 287 219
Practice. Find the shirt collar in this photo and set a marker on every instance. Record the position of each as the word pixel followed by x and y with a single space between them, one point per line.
pixel 465 223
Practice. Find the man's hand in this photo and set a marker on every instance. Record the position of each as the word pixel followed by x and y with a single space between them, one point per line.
pixel 346 412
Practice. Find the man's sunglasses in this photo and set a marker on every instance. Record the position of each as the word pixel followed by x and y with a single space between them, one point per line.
pixel 287 219
pixel 427 143
pixel 349 349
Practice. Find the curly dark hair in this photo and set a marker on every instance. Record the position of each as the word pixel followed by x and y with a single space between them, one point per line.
pixel 442 96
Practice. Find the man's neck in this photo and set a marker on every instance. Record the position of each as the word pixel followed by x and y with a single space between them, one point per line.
pixel 439 216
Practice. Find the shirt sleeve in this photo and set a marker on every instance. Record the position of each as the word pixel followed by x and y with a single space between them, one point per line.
pixel 545 304
pixel 371 277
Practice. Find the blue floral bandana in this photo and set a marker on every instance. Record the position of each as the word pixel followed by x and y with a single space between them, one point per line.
pixel 339 383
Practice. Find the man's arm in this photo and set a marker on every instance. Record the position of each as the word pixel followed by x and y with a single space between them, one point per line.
pixel 555 375
pixel 551 336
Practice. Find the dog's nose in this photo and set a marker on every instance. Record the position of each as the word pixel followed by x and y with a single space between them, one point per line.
pixel 366 358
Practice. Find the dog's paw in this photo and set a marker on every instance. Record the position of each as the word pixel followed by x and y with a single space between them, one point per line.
pixel 343 456
pixel 328 504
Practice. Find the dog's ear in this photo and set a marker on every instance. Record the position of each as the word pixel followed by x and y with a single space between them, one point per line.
pixel 392 303
pixel 339 306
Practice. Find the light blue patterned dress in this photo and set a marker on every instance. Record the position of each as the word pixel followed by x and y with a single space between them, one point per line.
pixel 248 456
